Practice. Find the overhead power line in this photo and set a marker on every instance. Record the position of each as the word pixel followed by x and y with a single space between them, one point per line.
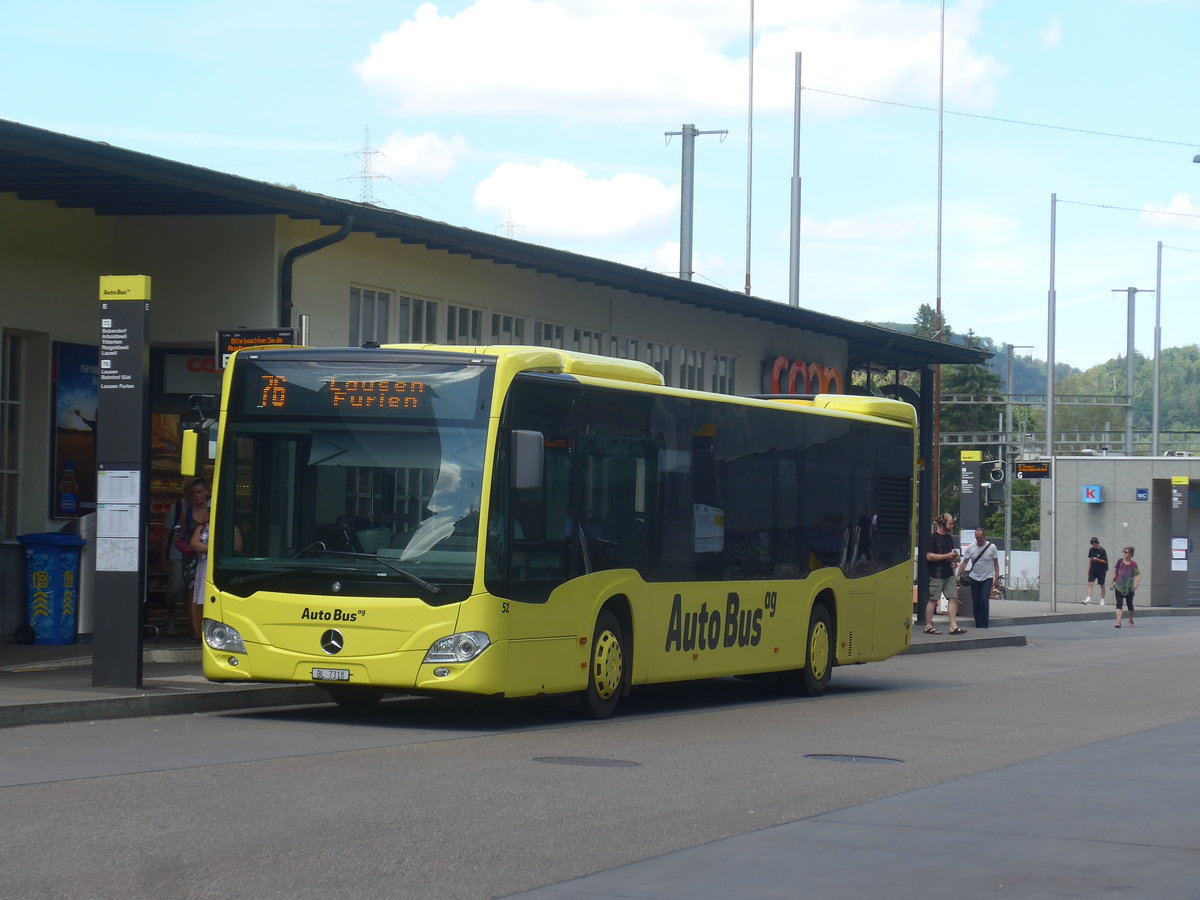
pixel 949 112
pixel 1149 212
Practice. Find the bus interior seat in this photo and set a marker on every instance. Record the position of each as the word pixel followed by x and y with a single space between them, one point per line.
pixel 335 537
pixel 371 540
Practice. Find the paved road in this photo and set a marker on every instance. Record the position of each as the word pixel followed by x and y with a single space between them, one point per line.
pixel 1062 768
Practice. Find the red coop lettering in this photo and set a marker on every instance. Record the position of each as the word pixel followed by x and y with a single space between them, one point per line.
pixel 795 376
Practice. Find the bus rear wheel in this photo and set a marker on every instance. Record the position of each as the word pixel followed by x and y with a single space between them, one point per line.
pixel 813 679
pixel 606 669
pixel 354 699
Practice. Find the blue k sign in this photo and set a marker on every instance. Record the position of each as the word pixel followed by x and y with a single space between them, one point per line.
pixel 1092 493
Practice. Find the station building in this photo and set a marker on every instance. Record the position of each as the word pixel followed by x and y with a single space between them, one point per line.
pixel 225 252
pixel 1149 503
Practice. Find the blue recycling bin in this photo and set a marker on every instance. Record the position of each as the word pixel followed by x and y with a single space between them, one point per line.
pixel 52 585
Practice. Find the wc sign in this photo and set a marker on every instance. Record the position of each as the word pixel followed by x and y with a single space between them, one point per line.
pixel 1092 493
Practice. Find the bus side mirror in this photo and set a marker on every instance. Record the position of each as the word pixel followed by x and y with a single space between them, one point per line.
pixel 528 458
pixel 188 453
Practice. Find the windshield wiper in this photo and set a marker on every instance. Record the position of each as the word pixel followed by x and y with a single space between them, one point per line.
pixel 294 570
pixel 415 579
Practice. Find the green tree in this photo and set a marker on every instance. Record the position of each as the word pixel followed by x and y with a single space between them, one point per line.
pixel 975 381
pixel 925 324
pixel 1026 513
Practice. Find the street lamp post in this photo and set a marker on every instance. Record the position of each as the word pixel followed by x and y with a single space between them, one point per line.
pixel 1008 430
pixel 1157 348
pixel 1050 311
pixel 1131 293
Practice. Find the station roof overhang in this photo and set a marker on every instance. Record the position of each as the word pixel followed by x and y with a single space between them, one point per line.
pixel 74 173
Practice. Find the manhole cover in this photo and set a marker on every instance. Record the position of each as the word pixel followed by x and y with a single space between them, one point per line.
pixel 845 757
pixel 585 761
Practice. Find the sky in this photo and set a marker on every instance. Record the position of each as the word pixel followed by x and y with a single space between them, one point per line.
pixel 547 121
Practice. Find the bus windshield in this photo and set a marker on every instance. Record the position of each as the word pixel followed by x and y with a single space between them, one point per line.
pixel 352 477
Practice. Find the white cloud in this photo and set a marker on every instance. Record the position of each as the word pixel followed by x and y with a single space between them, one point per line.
pixel 980 229
pixel 655 60
pixel 1174 215
pixel 1052 34
pixel 664 259
pixel 839 229
pixel 994 268
pixel 424 155
pixel 556 199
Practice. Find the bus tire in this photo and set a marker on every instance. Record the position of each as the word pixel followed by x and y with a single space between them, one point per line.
pixel 354 699
pixel 813 679
pixel 607 668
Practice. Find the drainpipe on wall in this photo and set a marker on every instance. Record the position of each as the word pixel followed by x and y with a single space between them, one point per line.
pixel 289 259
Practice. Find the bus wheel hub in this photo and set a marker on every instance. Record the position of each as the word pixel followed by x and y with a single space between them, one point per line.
pixel 607 665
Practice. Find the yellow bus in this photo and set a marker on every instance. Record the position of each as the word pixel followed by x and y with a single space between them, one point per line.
pixel 520 521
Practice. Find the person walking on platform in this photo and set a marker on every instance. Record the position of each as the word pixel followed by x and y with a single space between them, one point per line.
pixel 1097 569
pixel 1125 580
pixel 979 568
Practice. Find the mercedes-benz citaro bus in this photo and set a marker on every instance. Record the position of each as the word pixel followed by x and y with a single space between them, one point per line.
pixel 519 521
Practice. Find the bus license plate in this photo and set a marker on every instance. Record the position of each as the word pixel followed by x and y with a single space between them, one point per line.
pixel 331 674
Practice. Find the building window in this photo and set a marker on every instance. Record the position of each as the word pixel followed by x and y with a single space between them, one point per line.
pixel 403 311
pixel 691 370
pixel 369 316
pixel 723 374
pixel 463 325
pixel 659 356
pixel 424 321
pixel 587 341
pixel 623 347
pixel 546 334
pixel 10 432
pixel 507 329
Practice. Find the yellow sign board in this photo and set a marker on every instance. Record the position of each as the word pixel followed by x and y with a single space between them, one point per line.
pixel 1180 479
pixel 971 455
pixel 124 287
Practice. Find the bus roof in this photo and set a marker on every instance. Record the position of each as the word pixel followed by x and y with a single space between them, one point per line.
pixel 551 359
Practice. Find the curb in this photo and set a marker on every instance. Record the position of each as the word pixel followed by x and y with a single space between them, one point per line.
pixel 146 705
pixel 1100 614
pixel 955 642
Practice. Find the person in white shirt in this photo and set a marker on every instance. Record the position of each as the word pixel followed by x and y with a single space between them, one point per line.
pixel 979 564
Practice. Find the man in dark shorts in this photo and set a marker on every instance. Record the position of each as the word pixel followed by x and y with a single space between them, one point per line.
pixel 1097 569
pixel 941 557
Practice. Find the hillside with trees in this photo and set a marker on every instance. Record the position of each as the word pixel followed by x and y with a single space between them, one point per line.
pixel 1179 409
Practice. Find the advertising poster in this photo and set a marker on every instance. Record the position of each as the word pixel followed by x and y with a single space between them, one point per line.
pixel 76 379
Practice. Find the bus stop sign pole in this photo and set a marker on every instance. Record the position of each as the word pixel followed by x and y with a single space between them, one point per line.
pixel 122 483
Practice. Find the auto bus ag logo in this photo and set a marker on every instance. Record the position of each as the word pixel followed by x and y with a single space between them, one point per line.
pixel 706 629
pixel 325 615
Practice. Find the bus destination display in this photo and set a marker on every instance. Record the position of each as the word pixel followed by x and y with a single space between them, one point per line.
pixel 287 387
pixel 344 395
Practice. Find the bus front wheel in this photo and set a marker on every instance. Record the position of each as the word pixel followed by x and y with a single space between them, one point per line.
pixel 606 671
pixel 813 679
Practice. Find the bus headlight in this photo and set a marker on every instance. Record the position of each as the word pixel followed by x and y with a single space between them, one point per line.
pixel 222 637
pixel 462 647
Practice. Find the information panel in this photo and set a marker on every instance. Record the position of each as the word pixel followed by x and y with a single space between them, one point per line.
pixel 1039 469
pixel 230 341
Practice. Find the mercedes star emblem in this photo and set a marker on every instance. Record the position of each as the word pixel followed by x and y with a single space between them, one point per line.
pixel 332 641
